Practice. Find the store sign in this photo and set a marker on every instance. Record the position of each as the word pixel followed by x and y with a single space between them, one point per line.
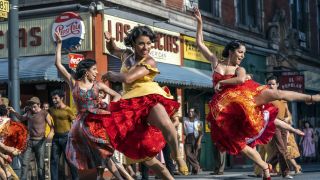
pixel 191 51
pixel 4 8
pixel 292 82
pixel 71 28
pixel 166 49
pixel 35 36
pixel 74 60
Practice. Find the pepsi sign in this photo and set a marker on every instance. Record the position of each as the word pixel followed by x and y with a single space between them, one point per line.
pixel 71 28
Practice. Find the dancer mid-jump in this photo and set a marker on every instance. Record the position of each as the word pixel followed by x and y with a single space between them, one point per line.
pixel 141 120
pixel 240 112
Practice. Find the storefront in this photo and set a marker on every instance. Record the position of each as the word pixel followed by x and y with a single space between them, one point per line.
pixel 37 72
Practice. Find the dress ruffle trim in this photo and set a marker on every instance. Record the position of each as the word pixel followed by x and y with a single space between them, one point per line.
pixel 149 67
pixel 128 129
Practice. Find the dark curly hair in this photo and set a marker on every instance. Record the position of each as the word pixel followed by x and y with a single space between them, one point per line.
pixel 233 45
pixel 83 67
pixel 273 77
pixel 58 92
pixel 3 110
pixel 139 31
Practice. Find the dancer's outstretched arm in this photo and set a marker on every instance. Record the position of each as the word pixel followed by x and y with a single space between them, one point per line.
pixel 200 43
pixel 286 126
pixel 66 75
pixel 134 74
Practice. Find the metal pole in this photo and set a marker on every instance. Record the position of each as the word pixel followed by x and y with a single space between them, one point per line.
pixel 14 82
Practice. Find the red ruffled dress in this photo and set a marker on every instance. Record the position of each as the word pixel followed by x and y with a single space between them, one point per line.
pixel 236 121
pixel 13 134
pixel 127 127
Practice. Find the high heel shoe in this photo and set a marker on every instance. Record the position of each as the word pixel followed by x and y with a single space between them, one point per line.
pixel 183 168
pixel 269 168
pixel 298 170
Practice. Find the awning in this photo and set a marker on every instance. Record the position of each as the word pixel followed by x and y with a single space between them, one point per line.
pixel 173 74
pixel 35 68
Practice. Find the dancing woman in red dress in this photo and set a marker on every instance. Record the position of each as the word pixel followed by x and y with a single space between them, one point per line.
pixel 142 117
pixel 240 113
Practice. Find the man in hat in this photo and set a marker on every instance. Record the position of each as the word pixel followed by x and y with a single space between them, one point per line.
pixel 37 119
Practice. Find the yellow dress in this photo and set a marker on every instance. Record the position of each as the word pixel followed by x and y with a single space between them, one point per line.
pixel 127 126
pixel 292 147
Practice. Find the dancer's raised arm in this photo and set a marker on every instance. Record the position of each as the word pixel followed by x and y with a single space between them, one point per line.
pixel 66 75
pixel 112 47
pixel 200 43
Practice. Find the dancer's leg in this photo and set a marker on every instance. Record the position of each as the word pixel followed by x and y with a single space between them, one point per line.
pixel 113 168
pixel 159 168
pixel 159 117
pixel 122 170
pixel 269 95
pixel 255 156
pixel 286 126
pixel 297 167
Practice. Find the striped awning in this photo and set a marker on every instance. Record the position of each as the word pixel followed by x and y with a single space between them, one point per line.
pixel 35 68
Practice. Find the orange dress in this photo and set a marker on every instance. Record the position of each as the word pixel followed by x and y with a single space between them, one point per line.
pixel 127 126
pixel 235 118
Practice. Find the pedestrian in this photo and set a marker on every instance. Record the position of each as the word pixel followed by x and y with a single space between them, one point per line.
pixel 36 119
pixel 279 138
pixel 308 142
pixel 87 146
pixel 47 151
pixel 240 111
pixel 140 122
pixel 192 143
pixel 63 117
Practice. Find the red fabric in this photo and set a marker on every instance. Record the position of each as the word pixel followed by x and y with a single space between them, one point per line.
pixel 128 129
pixel 234 117
pixel 15 135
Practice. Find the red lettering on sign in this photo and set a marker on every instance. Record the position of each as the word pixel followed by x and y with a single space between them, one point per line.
pixel 22 37
pixel 37 38
pixel 1 45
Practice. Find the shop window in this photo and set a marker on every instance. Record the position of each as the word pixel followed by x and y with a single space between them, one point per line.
pixel 210 8
pixel 300 20
pixel 249 14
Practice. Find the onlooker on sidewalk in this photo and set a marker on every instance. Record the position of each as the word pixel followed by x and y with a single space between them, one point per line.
pixel 37 119
pixel 308 142
pixel 62 117
pixel 193 131
pixel 47 149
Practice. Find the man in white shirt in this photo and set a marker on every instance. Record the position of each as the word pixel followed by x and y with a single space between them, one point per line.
pixel 193 131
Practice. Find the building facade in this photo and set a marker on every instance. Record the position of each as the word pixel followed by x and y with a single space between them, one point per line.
pixel 281 36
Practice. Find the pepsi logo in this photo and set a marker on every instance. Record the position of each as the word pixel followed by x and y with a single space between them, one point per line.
pixel 71 28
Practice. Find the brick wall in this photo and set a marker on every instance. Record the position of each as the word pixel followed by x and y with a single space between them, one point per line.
pixel 228 13
pixel 175 4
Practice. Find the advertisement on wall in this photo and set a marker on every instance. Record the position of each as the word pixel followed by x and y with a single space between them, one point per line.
pixel 191 51
pixel 35 36
pixel 292 82
pixel 166 49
